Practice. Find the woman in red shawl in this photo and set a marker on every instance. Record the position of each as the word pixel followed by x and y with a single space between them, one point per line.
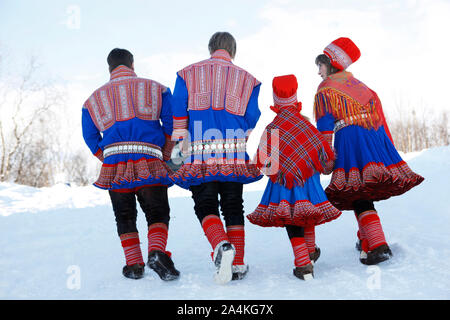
pixel 292 153
pixel 368 168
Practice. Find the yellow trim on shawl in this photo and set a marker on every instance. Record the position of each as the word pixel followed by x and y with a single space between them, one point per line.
pixel 344 107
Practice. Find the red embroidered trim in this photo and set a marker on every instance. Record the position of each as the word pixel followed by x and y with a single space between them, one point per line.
pixel 132 161
pixel 284 102
pixel 180 126
pixel 180 122
pixel 336 54
pixel 218 84
pixel 131 171
pixel 167 148
pixel 99 154
pixel 122 71
pixel 200 171
pixel 122 99
pixel 301 213
pixel 374 182
pixel 221 54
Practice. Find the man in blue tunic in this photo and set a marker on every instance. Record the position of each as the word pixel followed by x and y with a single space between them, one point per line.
pixel 122 128
pixel 215 108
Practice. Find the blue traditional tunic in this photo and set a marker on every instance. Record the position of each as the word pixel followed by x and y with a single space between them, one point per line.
pixel 121 126
pixel 215 107
pixel 368 167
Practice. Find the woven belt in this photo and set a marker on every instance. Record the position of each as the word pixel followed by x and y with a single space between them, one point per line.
pixel 141 148
pixel 217 146
pixel 340 124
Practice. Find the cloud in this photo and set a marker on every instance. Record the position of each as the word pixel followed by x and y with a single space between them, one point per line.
pixel 403 44
pixel 402 47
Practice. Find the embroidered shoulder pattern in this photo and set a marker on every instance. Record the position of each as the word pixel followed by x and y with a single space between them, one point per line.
pixel 125 99
pixel 219 85
pixel 149 99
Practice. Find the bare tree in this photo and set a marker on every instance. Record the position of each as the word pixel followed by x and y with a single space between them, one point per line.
pixel 414 130
pixel 441 130
pixel 80 167
pixel 35 132
pixel 25 134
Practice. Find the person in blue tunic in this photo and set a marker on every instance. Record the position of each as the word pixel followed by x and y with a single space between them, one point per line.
pixel 292 153
pixel 121 126
pixel 215 107
pixel 368 168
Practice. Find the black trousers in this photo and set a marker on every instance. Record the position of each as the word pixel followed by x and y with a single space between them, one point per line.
pixel 154 203
pixel 206 201
pixel 295 231
pixel 360 206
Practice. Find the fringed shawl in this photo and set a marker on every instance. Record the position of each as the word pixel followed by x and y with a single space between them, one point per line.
pixel 348 99
pixel 292 150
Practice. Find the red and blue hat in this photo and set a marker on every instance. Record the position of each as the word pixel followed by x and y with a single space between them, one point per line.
pixel 285 92
pixel 342 53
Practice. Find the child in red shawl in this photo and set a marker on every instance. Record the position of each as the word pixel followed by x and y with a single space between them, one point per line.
pixel 292 153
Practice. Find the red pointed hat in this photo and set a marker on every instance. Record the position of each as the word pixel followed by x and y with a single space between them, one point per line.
pixel 285 92
pixel 342 53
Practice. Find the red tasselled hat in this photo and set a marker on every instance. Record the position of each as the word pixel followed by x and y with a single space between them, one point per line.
pixel 342 53
pixel 285 92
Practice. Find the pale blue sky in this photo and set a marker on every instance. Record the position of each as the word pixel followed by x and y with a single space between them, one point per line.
pixel 402 42
pixel 144 27
pixel 150 27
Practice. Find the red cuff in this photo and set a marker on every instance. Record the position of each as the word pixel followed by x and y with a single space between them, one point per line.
pixel 180 126
pixel 99 155
pixel 167 148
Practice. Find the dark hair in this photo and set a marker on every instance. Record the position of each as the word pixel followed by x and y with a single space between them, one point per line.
pixel 222 40
pixel 323 59
pixel 119 57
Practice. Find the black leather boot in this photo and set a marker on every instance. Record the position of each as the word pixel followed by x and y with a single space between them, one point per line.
pixel 163 265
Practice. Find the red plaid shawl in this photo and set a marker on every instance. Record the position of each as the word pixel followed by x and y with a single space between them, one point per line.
pixel 291 149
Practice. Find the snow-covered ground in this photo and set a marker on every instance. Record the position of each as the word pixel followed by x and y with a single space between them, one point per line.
pixel 61 243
